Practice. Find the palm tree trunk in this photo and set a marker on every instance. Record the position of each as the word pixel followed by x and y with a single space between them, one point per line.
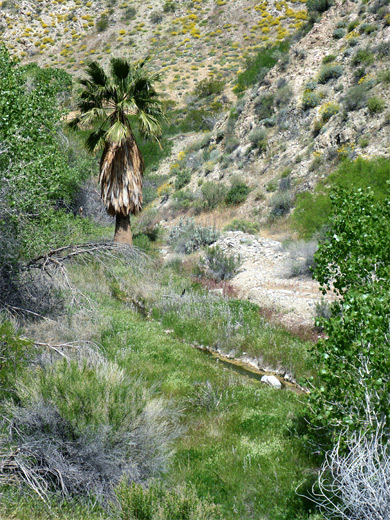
pixel 123 232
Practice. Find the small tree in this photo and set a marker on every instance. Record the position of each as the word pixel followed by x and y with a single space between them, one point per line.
pixel 353 392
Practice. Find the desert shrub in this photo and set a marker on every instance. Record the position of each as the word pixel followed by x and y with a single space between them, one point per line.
pixel 199 119
pixel 186 237
pixel 329 72
pixel 281 203
pixel 74 425
pixel 283 96
pixel 258 138
pixel 243 225
pixel 183 199
pixel 323 310
pixel 258 67
pixel 384 76
pixel 329 58
pixel 169 7
pixel 183 177
pixel 157 503
pixel 213 194
pixel 231 144
pixel 319 6
pixel 368 28
pixel 271 185
pixel 375 105
pixel 382 50
pixel 363 56
pixel 237 194
pixel 301 258
pixel 285 183
pixel 352 25
pixel 220 265
pixel 129 13
pixel 209 87
pixel 311 100
pixel 338 33
pixel 356 97
pixel 264 106
pixel 102 23
pixel 156 17
pixel 329 110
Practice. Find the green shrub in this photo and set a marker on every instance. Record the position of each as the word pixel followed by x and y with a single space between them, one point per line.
pixel 319 6
pixel 283 96
pixel 313 210
pixel 231 144
pixel 237 194
pixel 213 194
pixel 183 177
pixel 352 392
pixel 129 13
pixel 209 87
pixel 156 17
pixel 245 226
pixel 271 185
pixel 158 503
pixel 384 76
pixel 329 58
pixel 281 203
pixel 329 110
pixel 356 97
pixel 257 68
pixel 311 100
pixel 363 56
pixel 102 23
pixel 329 72
pixel 183 199
pixel 338 33
pixel 169 7
pixel 187 237
pixel 375 105
pixel 220 265
pixel 258 138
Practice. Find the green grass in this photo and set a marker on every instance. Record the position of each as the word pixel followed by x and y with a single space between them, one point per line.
pixel 239 443
pixel 313 209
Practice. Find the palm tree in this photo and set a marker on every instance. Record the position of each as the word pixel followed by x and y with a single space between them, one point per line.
pixel 107 105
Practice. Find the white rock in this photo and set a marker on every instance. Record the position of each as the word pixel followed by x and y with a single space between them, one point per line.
pixel 271 381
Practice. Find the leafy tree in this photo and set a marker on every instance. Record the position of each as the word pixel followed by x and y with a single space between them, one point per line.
pixel 354 262
pixel 110 104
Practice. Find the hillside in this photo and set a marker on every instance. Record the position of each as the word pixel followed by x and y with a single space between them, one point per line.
pixel 187 40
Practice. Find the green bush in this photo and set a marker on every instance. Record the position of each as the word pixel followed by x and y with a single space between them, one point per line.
pixel 169 7
pixel 328 72
pixel 281 203
pixel 356 97
pixel 243 225
pixel 183 199
pixel 352 25
pixel 312 211
pixel 311 100
pixel 257 68
pixel 329 58
pixel 237 194
pixel 220 266
pixel 183 177
pixel 363 56
pixel 264 106
pixel 338 33
pixel 352 390
pixel 213 194
pixel 158 503
pixel 375 105
pixel 319 6
pixel 187 237
pixel 129 13
pixel 258 138
pixel 329 110
pixel 102 23
pixel 209 87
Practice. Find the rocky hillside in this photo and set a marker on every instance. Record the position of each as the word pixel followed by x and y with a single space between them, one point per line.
pixel 327 99
pixel 187 40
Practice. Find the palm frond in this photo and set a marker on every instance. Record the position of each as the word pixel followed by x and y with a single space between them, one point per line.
pixel 97 74
pixel 73 124
pixel 95 140
pixel 149 125
pixel 117 132
pixel 120 68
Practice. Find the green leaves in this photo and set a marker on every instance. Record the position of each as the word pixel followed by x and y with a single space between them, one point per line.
pixel 353 390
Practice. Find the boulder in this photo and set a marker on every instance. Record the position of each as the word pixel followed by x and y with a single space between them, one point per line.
pixel 271 381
